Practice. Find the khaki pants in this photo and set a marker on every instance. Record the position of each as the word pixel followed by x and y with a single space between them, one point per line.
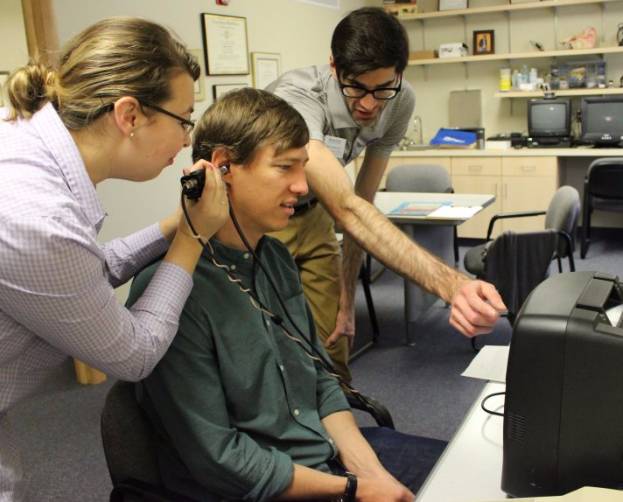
pixel 310 238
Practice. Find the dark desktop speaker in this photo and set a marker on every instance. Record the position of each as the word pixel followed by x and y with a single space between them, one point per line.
pixel 563 418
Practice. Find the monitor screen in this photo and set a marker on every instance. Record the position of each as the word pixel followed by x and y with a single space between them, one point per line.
pixel 549 118
pixel 602 120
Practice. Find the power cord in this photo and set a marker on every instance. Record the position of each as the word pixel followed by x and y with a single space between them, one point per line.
pixel 486 398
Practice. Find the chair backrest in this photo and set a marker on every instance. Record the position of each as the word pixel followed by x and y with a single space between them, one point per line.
pixel 418 178
pixel 562 215
pixel 517 262
pixel 604 178
pixel 128 438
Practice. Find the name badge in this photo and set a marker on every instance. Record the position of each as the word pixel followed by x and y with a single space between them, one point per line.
pixel 336 145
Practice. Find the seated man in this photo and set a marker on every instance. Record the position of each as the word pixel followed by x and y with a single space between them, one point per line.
pixel 242 402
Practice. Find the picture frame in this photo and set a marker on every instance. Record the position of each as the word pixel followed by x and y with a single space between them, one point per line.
pixel 453 4
pixel 266 67
pixel 219 89
pixel 4 75
pixel 200 82
pixel 225 44
pixel 484 42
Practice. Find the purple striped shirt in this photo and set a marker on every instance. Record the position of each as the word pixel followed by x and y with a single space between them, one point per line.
pixel 56 281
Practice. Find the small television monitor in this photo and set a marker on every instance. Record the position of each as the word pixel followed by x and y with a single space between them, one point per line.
pixel 602 121
pixel 563 411
pixel 549 118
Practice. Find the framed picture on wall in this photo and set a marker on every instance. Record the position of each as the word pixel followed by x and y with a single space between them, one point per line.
pixel 484 42
pixel 200 82
pixel 4 75
pixel 225 44
pixel 266 67
pixel 452 4
pixel 219 89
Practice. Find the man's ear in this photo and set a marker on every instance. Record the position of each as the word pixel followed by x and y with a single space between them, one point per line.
pixel 332 66
pixel 127 114
pixel 221 158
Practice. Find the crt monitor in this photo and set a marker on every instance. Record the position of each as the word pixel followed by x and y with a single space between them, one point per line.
pixel 563 413
pixel 602 121
pixel 549 118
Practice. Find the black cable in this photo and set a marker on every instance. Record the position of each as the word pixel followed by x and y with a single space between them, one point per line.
pixel 486 398
pixel 274 288
pixel 317 355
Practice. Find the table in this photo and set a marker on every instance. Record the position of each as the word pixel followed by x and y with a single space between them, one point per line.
pixel 525 178
pixel 434 234
pixel 470 469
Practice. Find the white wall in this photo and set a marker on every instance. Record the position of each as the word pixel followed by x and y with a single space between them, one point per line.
pixel 300 32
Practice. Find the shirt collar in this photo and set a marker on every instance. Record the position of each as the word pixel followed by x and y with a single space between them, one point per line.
pixel 62 147
pixel 242 261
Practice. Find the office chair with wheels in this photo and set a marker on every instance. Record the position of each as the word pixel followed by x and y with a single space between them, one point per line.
pixel 603 190
pixel 129 442
pixel 517 262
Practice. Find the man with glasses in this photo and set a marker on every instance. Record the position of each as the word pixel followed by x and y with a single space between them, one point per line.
pixel 360 101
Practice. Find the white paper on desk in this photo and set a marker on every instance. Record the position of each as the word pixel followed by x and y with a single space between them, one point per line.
pixel 489 364
pixel 458 212
pixel 586 494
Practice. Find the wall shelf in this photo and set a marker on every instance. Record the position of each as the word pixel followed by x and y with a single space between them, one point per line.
pixel 500 8
pixel 519 55
pixel 560 93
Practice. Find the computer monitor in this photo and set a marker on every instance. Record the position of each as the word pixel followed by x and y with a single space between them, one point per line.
pixel 563 412
pixel 549 118
pixel 602 121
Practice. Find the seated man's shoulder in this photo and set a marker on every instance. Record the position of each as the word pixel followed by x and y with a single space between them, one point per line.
pixel 277 250
pixel 141 281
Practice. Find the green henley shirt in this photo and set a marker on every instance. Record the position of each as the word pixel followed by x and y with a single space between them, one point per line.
pixel 237 402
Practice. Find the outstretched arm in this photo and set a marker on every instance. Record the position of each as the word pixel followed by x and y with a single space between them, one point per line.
pixel 475 305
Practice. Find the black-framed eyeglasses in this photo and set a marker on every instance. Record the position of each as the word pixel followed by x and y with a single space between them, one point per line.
pixel 380 93
pixel 187 125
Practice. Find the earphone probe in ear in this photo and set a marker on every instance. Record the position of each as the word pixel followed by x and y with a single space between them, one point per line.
pixel 193 183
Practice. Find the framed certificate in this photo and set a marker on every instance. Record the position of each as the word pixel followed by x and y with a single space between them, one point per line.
pixel 225 44
pixel 219 89
pixel 266 68
pixel 200 82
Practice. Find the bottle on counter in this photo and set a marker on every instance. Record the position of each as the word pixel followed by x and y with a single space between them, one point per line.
pixel 515 79
pixel 505 79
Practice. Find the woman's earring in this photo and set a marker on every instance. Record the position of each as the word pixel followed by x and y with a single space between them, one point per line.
pixel 131 134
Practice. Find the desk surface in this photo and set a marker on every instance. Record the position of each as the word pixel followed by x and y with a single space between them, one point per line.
pixel 512 152
pixel 388 201
pixel 470 469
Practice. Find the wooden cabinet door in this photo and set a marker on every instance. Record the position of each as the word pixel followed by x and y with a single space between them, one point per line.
pixel 476 227
pixel 528 184
pixel 478 175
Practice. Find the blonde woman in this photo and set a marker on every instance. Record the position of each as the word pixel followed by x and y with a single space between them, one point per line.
pixel 118 106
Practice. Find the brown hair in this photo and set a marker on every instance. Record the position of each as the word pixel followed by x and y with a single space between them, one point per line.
pixel 247 119
pixel 119 56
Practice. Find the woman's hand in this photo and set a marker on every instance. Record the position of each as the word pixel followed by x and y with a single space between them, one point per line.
pixel 210 212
